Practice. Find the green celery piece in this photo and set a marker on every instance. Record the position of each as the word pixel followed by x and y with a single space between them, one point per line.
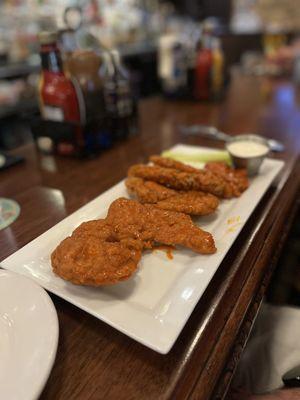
pixel 221 155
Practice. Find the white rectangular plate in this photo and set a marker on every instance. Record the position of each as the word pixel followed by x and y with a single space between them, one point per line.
pixel 154 305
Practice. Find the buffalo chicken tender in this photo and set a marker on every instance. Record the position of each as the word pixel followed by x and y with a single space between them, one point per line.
pixel 101 230
pixel 98 228
pixel 87 260
pixel 202 180
pixel 94 256
pixel 190 202
pixel 147 191
pixel 237 180
pixel 107 251
pixel 152 226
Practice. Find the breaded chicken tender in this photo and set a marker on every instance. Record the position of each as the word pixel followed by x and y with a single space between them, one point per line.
pixel 190 202
pixel 100 229
pixel 170 163
pixel 147 191
pixel 88 260
pixel 237 179
pixel 151 225
pixel 201 180
pixel 97 228
pixel 104 252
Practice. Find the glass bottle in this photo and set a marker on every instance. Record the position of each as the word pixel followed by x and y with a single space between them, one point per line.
pixel 120 103
pixel 172 65
pixel 126 101
pixel 203 71
pixel 84 66
pixel 58 97
pixel 217 73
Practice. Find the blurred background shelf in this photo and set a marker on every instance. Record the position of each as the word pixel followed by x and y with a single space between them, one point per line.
pixel 15 70
pixel 135 29
pixel 130 50
pixel 20 109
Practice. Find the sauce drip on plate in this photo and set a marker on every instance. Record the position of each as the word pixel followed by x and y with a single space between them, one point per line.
pixel 167 249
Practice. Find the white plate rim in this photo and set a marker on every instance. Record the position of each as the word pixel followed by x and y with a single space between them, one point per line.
pixel 40 292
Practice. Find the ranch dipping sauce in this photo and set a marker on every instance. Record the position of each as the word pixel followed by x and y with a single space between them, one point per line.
pixel 247 148
pixel 248 151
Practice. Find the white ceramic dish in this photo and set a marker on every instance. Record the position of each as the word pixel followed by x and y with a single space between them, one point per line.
pixel 28 337
pixel 154 305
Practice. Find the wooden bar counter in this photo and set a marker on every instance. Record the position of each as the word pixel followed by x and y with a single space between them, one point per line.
pixel 95 361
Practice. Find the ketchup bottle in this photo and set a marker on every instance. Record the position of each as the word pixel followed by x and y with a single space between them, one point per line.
pixel 203 68
pixel 57 94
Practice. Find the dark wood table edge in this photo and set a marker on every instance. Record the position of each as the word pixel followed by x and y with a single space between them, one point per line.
pixel 199 381
pixel 236 351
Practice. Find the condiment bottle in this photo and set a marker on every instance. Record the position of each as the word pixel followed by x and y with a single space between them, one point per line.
pixel 58 98
pixel 126 102
pixel 203 68
pixel 191 65
pixel 217 72
pixel 172 65
pixel 57 94
pixel 119 100
pixel 84 66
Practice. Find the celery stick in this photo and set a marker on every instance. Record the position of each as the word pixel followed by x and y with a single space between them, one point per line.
pixel 199 157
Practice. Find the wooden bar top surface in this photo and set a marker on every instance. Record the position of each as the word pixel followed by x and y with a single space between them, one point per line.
pixel 95 361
